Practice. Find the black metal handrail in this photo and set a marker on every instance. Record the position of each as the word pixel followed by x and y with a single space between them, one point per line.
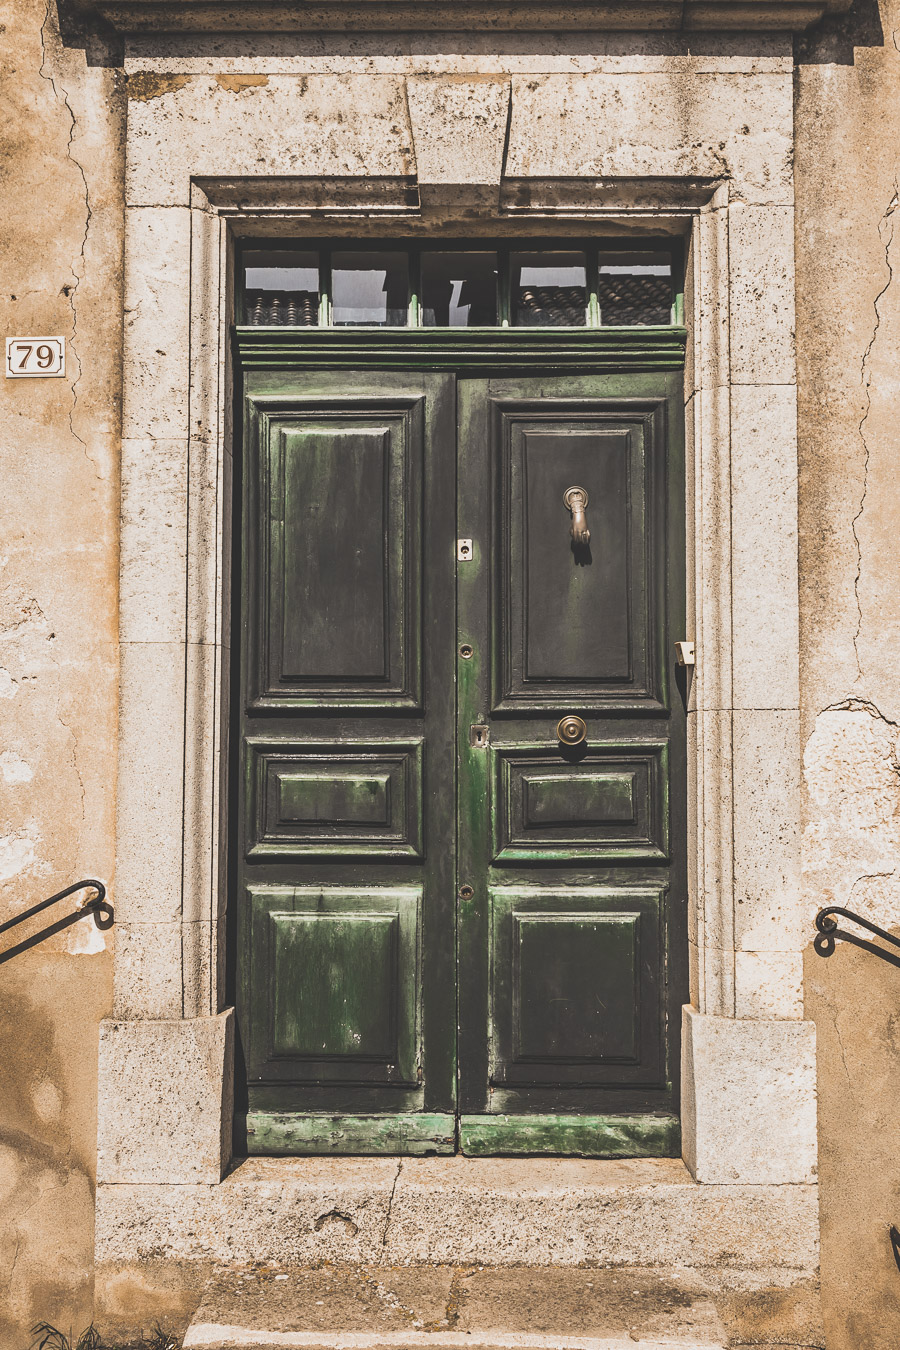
pixel 829 932
pixel 96 904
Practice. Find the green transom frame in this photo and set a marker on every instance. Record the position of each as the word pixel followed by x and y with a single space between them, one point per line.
pixel 452 929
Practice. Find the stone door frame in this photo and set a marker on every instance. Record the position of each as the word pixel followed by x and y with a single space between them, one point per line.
pixel 166 1055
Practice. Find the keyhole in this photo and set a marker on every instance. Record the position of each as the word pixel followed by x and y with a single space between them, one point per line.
pixel 466 652
pixel 466 892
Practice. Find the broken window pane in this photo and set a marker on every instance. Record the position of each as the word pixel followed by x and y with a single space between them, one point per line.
pixel 459 290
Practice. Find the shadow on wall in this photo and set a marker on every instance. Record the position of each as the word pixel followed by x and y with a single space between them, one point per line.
pixel 50 1004
pixel 832 41
pixel 854 1000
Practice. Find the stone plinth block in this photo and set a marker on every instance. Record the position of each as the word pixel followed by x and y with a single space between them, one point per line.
pixel 165 1100
pixel 748 1100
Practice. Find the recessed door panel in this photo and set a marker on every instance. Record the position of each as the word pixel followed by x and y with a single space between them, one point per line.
pixel 334 555
pixel 326 799
pixel 579 621
pixel 606 804
pixel 336 976
pixel 576 990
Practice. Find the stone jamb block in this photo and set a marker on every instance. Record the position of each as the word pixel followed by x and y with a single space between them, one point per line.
pixel 166 1095
pixel 748 1100
pixel 764 582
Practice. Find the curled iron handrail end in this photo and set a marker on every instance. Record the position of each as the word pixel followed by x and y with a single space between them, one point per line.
pixel 89 900
pixel 104 914
pixel 827 932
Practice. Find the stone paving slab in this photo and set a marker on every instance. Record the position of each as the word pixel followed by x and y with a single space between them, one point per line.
pixel 442 1308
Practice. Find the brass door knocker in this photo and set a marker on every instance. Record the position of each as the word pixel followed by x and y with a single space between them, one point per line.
pixel 576 500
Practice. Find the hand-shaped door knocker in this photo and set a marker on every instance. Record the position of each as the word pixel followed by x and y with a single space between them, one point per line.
pixel 576 499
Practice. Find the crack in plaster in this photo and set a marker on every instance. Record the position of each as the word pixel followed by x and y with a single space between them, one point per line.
pixel 390 1203
pixel 860 705
pixel 77 266
pixel 836 1023
pixel 885 227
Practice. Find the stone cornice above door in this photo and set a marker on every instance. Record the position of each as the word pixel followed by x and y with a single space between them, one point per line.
pixel 302 16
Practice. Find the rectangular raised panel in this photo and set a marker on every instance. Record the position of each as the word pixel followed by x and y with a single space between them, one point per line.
pixel 552 801
pixel 331 592
pixel 577 608
pixel 334 985
pixel 322 800
pixel 611 804
pixel 335 980
pixel 575 992
pixel 580 625
pixel 577 997
pixel 335 545
pixel 335 799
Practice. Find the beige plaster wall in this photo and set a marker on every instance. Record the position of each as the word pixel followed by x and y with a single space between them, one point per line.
pixel 848 330
pixel 60 263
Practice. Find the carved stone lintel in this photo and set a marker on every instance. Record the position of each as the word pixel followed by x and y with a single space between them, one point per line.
pixel 298 16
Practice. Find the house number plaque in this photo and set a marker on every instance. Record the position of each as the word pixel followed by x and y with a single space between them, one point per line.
pixel 32 357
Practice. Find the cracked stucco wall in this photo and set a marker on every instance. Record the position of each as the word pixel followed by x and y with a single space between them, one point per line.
pixel 60 263
pixel 848 327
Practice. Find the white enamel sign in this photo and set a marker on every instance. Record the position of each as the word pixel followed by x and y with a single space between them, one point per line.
pixel 32 357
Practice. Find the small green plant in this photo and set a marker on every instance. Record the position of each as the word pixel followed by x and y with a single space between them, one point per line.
pixel 47 1337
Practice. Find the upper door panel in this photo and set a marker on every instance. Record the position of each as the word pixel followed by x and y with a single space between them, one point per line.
pixel 336 536
pixel 587 628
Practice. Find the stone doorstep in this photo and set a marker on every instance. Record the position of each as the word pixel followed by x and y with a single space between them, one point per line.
pixel 459 1212
pixel 447 1308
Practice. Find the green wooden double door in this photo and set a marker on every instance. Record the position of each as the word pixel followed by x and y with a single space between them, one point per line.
pixel 460 876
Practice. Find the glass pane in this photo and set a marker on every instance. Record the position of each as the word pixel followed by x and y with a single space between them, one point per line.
pixel 281 288
pixel 549 289
pixel 635 289
pixel 459 290
pixel 369 288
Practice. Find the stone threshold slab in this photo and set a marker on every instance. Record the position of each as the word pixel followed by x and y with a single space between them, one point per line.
pixel 457 1210
pixel 449 1308
pixel 209 1336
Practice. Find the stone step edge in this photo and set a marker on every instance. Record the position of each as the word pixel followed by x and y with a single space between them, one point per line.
pixel 211 1336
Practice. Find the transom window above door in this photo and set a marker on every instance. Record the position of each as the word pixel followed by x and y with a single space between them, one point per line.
pixel 550 285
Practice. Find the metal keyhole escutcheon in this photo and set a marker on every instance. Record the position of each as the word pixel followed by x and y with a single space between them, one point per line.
pixel 576 500
pixel 571 730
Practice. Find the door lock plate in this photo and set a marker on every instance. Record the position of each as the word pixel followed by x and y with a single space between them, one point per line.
pixel 480 735
pixel 464 550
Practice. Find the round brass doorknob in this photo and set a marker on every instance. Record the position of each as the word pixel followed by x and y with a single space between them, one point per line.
pixel 571 730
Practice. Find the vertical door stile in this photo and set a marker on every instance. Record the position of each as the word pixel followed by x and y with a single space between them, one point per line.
pixel 473 694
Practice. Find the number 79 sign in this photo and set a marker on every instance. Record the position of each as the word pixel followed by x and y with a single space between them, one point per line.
pixel 32 357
